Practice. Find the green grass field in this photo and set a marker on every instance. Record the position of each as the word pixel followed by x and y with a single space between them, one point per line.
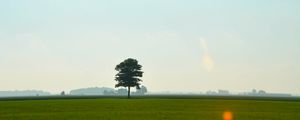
pixel 148 109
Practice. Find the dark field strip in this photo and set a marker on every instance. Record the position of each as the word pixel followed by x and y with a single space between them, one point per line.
pixel 266 98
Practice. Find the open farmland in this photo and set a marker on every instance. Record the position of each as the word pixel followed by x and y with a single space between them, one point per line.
pixel 150 108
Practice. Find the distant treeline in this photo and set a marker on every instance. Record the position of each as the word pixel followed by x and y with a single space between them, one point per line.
pixel 23 93
pixel 106 91
pixel 81 91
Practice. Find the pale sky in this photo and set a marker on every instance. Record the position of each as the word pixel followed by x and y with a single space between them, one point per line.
pixel 183 45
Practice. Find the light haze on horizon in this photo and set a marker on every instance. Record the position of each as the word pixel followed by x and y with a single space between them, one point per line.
pixel 188 46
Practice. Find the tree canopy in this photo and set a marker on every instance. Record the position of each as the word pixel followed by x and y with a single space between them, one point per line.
pixel 129 73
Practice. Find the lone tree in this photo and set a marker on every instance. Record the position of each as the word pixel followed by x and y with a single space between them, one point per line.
pixel 129 74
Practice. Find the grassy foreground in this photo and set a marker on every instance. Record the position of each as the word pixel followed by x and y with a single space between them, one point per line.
pixel 148 109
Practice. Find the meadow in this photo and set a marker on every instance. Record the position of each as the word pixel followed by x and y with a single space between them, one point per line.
pixel 149 108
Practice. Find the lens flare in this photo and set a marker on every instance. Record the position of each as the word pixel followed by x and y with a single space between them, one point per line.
pixel 227 115
pixel 207 60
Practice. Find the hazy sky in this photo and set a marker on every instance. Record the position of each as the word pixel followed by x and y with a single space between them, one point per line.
pixel 183 45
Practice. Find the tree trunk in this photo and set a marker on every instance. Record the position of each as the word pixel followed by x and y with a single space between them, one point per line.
pixel 128 92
